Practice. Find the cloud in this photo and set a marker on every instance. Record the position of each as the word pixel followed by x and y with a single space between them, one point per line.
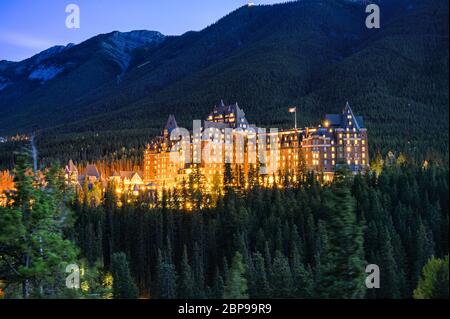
pixel 24 41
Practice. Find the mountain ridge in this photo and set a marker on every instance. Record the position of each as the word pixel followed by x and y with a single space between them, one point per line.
pixel 316 55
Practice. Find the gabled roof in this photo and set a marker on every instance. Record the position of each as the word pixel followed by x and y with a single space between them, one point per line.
pixel 92 171
pixel 126 174
pixel 130 174
pixel 224 110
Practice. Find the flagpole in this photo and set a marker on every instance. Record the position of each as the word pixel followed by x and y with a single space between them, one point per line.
pixel 295 115
pixel 294 110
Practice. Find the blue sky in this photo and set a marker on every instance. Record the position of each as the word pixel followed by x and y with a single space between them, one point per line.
pixel 30 26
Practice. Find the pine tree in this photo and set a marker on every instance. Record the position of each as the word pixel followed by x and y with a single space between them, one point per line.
pixel 236 286
pixel 123 284
pixel 434 281
pixel 166 278
pixel 281 279
pixel 228 176
pixel 241 176
pixel 186 280
pixel 196 183
pixel 33 248
pixel 388 268
pixel 306 276
pixel 424 249
pixel 302 279
pixel 253 175
pixel 342 275
pixel 198 272
pixel 218 285
pixel 268 258
pixel 260 284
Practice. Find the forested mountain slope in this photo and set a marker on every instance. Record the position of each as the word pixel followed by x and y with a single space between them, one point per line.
pixel 313 54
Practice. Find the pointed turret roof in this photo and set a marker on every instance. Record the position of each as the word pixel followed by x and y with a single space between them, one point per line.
pixel 348 111
pixel 72 167
pixel 341 119
pixel 171 123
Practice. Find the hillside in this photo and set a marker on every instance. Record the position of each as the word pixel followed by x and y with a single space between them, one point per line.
pixel 313 54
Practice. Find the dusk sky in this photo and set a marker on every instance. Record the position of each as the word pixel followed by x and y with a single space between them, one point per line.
pixel 29 26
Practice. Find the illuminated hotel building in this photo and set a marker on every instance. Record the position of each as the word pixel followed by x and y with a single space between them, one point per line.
pixel 342 140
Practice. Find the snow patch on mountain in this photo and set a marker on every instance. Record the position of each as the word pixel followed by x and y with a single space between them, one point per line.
pixel 45 73
pixel 120 46
pixel 3 86
pixel 28 66
pixel 4 82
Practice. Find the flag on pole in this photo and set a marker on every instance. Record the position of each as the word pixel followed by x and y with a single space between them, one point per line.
pixel 292 109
